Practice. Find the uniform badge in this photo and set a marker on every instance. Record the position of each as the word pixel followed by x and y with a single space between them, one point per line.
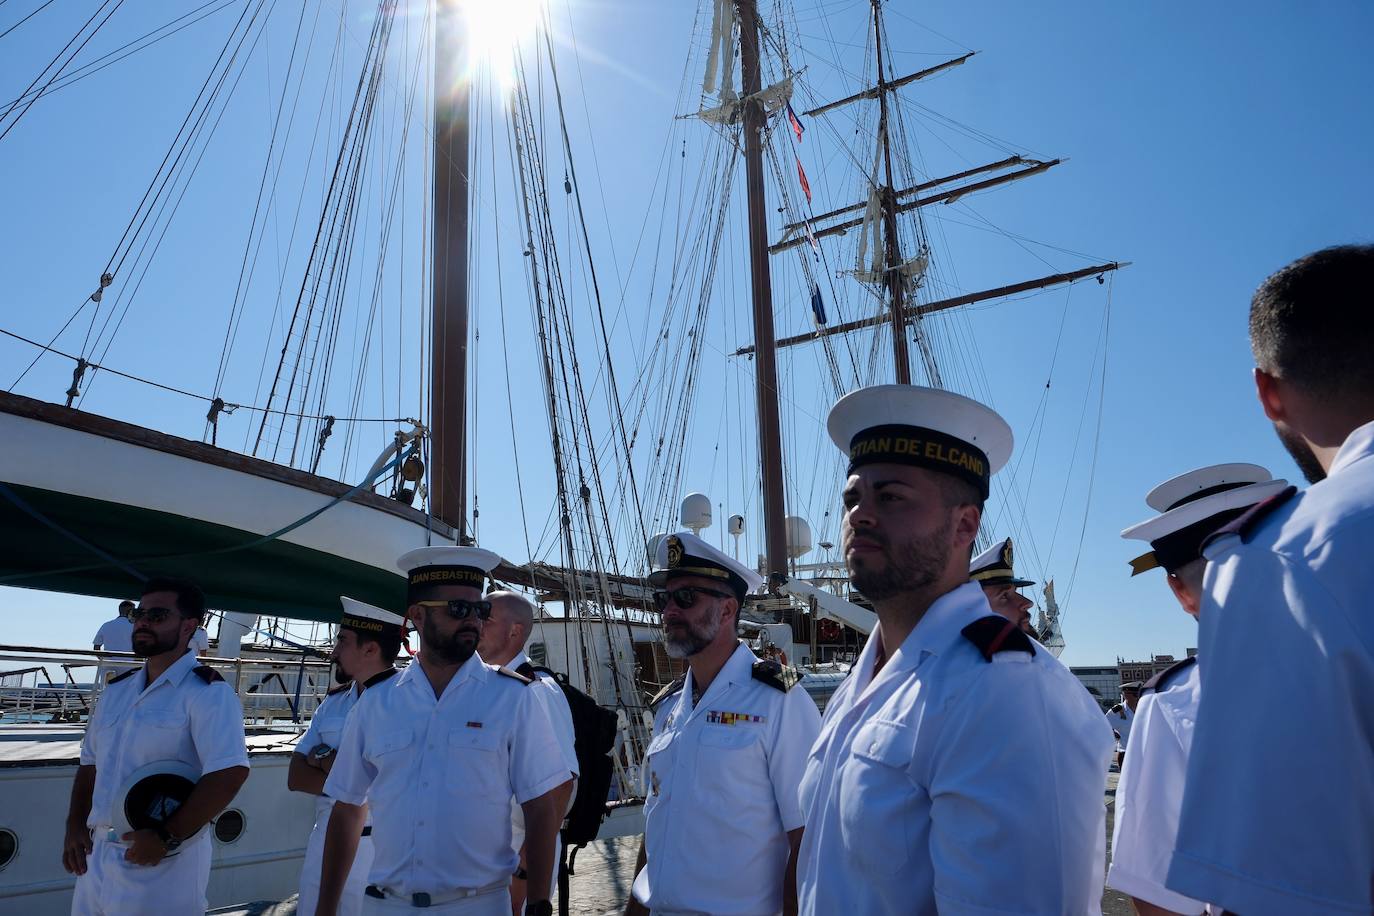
pixel 674 551
pixel 716 717
pixel 474 725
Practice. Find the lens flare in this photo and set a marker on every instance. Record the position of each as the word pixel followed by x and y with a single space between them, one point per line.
pixel 494 31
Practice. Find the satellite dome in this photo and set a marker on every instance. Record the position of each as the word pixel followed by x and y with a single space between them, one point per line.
pixel 696 512
pixel 798 536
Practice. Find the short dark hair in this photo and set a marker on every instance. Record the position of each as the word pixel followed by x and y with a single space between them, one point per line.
pixel 956 491
pixel 389 645
pixel 190 599
pixel 126 604
pixel 1312 323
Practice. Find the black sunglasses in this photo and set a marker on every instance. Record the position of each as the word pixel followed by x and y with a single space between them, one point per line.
pixel 151 614
pixel 459 609
pixel 685 597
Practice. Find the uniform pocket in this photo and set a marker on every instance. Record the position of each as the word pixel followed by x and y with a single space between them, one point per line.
pixel 389 743
pixel 877 798
pixel 728 737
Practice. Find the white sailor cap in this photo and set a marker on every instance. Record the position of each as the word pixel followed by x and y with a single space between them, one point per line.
pixel 685 554
pixel 426 567
pixel 1192 507
pixel 364 618
pixel 924 427
pixel 994 567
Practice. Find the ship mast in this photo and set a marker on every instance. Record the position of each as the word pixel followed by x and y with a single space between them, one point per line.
pixel 449 336
pixel 765 362
pixel 896 286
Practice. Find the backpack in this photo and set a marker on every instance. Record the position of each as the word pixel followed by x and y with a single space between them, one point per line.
pixel 593 737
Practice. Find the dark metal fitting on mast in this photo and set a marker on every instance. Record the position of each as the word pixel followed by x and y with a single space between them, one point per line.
pixel 78 373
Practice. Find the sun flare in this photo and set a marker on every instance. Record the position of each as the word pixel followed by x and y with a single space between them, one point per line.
pixel 495 30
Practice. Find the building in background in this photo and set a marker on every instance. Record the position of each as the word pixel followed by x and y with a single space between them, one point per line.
pixel 1104 681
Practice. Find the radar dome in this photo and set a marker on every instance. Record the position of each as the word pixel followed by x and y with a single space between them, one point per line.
pixel 736 525
pixel 798 536
pixel 696 512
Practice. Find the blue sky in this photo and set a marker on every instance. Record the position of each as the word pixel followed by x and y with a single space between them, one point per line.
pixel 1205 147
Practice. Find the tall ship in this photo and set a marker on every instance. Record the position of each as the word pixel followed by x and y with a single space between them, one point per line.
pixel 350 287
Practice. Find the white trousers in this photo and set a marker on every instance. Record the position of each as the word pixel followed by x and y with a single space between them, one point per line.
pixel 173 887
pixel 495 903
pixel 351 901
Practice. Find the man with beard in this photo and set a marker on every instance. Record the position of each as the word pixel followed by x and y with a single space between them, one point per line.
pixel 436 758
pixel 366 648
pixel 992 569
pixel 1149 796
pixel 503 644
pixel 170 711
pixel 721 820
pixel 960 767
pixel 1278 808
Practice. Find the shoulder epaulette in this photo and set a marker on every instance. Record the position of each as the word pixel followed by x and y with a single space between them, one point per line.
pixel 1249 522
pixel 380 676
pixel 338 688
pixel 207 674
pixel 526 669
pixel 777 675
pixel 119 677
pixel 1161 680
pixel 515 675
pixel 671 688
pixel 995 634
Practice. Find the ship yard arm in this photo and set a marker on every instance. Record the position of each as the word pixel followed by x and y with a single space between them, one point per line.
pixel 77 845
pixel 212 794
pixel 543 815
pixel 340 846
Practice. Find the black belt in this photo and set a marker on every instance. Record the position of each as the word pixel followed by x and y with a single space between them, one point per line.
pixel 367 831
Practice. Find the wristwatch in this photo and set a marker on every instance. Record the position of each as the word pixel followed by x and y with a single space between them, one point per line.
pixel 538 908
pixel 169 842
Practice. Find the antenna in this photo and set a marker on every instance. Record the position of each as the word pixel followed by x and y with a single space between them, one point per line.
pixel 736 527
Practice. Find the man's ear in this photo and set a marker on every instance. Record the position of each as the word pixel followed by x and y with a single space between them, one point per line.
pixel 966 521
pixel 1184 594
pixel 1269 389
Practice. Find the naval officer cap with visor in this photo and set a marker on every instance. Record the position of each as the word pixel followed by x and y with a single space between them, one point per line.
pixel 1192 507
pixel 685 554
pixel 994 567
pixel 921 427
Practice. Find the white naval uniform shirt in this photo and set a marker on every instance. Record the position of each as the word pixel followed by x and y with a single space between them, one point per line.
pixel 1149 795
pixel 326 727
pixel 953 784
pixel 1278 808
pixel 1122 722
pixel 721 793
pixel 178 717
pixel 438 775
pixel 116 635
pixel 560 717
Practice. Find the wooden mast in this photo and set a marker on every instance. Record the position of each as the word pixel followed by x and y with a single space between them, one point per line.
pixel 765 362
pixel 893 256
pixel 449 338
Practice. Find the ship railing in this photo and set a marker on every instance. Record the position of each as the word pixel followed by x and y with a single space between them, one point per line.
pixel 62 685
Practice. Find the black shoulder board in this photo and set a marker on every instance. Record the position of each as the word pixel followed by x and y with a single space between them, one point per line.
pixel 503 670
pixel 339 688
pixel 995 634
pixel 380 676
pixel 673 687
pixel 1161 680
pixel 206 673
pixel 119 677
pixel 526 669
pixel 776 675
pixel 1248 523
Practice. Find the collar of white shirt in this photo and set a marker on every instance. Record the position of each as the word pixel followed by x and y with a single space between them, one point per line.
pixel 520 659
pixel 1357 445
pixel 933 633
pixel 176 671
pixel 738 669
pixel 414 674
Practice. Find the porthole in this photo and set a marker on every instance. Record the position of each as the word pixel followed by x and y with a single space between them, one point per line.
pixel 229 826
pixel 9 846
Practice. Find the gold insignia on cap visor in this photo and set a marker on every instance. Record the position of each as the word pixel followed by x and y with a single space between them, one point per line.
pixel 674 551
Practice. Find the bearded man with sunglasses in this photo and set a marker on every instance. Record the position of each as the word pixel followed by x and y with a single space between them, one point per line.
pixel 171 711
pixel 437 757
pixel 722 823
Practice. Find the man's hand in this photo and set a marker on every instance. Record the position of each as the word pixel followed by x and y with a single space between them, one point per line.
pixel 145 847
pixel 76 847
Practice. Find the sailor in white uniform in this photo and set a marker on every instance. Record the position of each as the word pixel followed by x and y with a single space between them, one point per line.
pixel 169 715
pixel 1122 716
pixel 1149 796
pixel 722 821
pixel 365 650
pixel 503 645
pixel 960 767
pixel 1278 807
pixel 436 758
pixel 992 570
pixel 117 633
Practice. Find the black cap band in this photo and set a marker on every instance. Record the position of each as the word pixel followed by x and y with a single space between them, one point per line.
pixel 1176 550
pixel 921 447
pixel 1209 491
pixel 369 626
